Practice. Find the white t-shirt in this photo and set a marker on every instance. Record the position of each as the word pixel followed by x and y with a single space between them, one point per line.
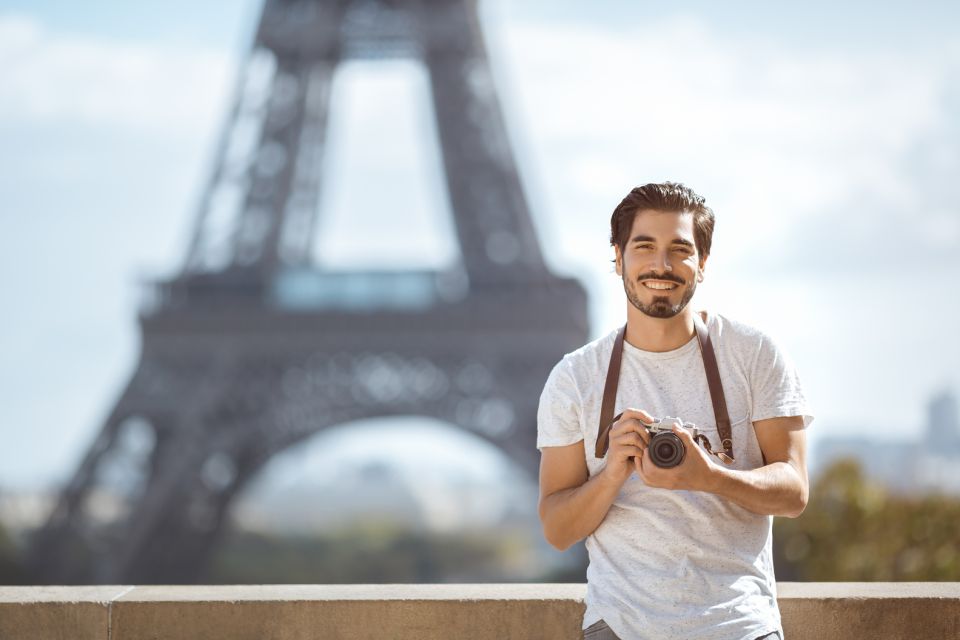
pixel 667 563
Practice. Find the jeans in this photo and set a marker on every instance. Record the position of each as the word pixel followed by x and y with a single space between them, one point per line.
pixel 600 631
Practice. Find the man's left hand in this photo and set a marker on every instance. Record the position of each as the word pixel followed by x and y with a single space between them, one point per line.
pixel 695 473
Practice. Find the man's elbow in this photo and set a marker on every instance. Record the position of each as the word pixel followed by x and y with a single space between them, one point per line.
pixel 797 505
pixel 557 542
pixel 553 535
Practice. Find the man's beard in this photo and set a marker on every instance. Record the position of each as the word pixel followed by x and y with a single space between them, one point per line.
pixel 660 307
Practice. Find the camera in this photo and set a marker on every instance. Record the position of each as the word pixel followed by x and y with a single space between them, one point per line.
pixel 666 448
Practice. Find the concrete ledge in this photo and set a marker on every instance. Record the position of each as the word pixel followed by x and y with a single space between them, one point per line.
pixel 57 613
pixel 828 610
pixel 289 612
pixel 814 611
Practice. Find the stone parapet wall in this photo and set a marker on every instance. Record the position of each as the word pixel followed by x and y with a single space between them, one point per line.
pixel 811 611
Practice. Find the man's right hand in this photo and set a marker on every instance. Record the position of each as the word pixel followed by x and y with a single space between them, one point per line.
pixel 628 439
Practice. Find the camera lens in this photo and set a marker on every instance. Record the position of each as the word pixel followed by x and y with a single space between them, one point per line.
pixel 666 450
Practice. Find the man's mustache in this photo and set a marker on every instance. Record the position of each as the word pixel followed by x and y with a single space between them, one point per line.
pixel 666 277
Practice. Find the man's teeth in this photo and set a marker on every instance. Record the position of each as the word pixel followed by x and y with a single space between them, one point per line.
pixel 659 285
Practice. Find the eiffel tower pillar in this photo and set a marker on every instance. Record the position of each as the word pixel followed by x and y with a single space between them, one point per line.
pixel 493 223
pixel 252 349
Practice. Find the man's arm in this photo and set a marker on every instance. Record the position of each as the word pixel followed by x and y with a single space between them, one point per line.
pixel 573 506
pixel 779 488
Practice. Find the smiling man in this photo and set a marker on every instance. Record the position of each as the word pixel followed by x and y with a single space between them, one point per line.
pixel 679 547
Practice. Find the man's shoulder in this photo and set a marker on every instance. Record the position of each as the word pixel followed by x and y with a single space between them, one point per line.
pixel 739 336
pixel 728 328
pixel 591 355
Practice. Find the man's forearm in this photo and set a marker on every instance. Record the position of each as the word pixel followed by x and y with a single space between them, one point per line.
pixel 571 515
pixel 777 489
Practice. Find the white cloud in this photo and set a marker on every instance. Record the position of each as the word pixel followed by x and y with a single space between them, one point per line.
pixel 770 134
pixel 48 77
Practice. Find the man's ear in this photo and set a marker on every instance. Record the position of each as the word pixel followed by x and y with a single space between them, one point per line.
pixel 619 260
pixel 703 267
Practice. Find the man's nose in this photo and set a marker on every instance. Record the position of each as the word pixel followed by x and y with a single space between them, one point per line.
pixel 661 261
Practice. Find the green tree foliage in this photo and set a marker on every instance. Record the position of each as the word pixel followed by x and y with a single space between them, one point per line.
pixel 366 552
pixel 855 530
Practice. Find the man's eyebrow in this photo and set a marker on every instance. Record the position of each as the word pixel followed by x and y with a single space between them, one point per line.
pixel 680 241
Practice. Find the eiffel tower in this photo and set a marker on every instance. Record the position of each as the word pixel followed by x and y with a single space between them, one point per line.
pixel 251 348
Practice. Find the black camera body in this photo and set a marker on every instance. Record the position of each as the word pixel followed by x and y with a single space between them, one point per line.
pixel 666 448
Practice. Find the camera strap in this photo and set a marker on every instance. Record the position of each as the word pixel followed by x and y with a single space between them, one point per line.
pixel 713 383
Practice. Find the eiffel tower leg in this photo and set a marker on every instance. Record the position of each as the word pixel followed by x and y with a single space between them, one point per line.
pixel 89 527
pixel 280 176
pixel 177 464
pixel 205 386
pixel 62 550
pixel 174 532
pixel 242 420
pixel 493 221
pixel 174 536
pixel 295 238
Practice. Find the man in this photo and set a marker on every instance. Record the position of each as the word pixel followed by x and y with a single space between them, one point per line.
pixel 681 552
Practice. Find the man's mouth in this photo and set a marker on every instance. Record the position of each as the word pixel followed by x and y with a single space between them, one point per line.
pixel 659 285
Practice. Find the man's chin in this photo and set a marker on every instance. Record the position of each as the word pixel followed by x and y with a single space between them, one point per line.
pixel 662 313
pixel 657 309
pixel 660 307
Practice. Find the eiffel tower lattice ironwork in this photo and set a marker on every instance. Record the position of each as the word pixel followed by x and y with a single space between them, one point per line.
pixel 250 348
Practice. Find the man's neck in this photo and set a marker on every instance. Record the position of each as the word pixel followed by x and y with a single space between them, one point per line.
pixel 659 334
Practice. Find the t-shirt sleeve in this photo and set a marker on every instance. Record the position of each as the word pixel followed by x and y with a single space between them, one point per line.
pixel 558 417
pixel 777 391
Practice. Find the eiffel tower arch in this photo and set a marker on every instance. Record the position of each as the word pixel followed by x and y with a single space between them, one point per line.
pixel 251 348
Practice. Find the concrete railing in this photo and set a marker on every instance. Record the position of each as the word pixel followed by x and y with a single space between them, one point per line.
pixel 811 611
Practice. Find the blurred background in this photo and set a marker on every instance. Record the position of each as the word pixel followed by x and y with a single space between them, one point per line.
pixel 825 138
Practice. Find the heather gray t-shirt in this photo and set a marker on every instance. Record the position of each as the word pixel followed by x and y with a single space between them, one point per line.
pixel 667 563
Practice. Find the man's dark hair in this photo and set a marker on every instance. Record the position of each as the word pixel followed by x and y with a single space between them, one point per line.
pixel 666 196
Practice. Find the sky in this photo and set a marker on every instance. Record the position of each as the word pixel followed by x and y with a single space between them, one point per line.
pixel 824 137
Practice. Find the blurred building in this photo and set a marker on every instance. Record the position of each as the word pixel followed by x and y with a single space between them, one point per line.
pixel 924 465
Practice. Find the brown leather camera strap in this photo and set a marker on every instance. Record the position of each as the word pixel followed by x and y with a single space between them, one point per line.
pixel 713 383
pixel 610 395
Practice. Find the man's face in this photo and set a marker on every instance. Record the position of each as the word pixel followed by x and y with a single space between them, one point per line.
pixel 660 265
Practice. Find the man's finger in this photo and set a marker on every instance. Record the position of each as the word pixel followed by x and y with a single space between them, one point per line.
pixel 638 414
pixel 636 450
pixel 629 439
pixel 632 452
pixel 640 463
pixel 631 426
pixel 683 434
pixel 631 422
pixel 644 434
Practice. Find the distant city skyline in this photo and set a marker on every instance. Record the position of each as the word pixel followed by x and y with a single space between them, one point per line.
pixel 830 162
pixel 908 463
